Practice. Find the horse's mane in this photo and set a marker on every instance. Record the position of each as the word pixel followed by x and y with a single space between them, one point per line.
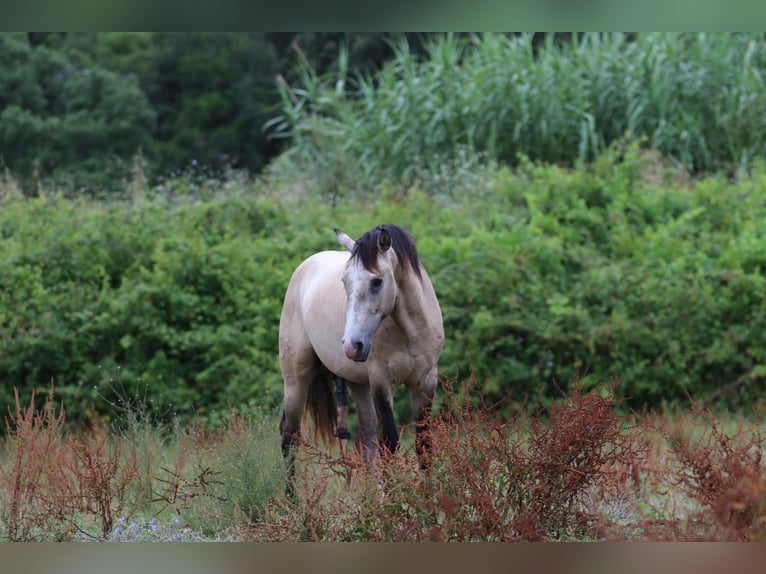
pixel 367 248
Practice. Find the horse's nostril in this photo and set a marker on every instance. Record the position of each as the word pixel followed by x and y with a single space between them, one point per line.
pixel 358 347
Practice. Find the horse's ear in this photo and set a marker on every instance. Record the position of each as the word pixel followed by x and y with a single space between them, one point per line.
pixel 384 240
pixel 345 240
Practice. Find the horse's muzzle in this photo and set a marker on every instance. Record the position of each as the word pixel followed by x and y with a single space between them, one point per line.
pixel 356 351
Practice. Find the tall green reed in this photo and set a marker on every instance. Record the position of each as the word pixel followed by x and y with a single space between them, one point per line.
pixel 696 98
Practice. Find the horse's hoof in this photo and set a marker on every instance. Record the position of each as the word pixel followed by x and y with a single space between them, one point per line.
pixel 342 433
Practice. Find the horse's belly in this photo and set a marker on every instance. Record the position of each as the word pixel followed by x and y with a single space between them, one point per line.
pixel 354 372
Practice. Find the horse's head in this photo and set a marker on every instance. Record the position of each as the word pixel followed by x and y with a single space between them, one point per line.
pixel 370 283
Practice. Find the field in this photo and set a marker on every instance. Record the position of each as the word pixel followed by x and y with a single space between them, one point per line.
pixel 137 439
pixel 580 471
pixel 590 211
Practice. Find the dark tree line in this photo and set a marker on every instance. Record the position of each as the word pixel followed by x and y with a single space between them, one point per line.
pixel 77 109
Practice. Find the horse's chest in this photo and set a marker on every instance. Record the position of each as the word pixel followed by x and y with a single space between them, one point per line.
pixel 392 360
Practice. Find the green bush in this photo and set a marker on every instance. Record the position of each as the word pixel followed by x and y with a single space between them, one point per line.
pixel 595 273
pixel 544 274
pixel 180 298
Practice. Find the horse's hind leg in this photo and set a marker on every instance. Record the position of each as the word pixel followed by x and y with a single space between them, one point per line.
pixel 288 442
pixel 296 391
pixel 341 400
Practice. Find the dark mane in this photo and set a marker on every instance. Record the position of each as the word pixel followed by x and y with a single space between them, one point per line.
pixel 367 248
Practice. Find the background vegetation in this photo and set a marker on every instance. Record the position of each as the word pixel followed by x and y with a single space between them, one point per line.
pixel 78 109
pixel 589 208
pixel 543 274
pixel 695 98
pixel 637 258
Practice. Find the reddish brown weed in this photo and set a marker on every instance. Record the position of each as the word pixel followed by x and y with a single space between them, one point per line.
pixel 35 442
pixel 98 474
pixel 61 483
pixel 723 472
pixel 488 480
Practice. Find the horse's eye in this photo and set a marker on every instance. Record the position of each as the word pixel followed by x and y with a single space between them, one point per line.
pixel 376 283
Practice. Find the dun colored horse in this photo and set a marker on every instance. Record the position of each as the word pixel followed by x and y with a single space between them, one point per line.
pixel 371 317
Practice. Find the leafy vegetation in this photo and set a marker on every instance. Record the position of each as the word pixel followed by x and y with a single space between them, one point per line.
pixel 695 98
pixel 636 260
pixel 78 110
pixel 543 274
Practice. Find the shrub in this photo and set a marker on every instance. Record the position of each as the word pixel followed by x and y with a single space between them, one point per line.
pixel 488 481
pixel 596 273
pixel 180 300
pixel 61 484
pixel 544 275
pixel 723 472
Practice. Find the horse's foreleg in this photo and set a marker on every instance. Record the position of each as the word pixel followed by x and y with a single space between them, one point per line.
pixel 421 398
pixel 341 402
pixel 368 421
pixel 384 405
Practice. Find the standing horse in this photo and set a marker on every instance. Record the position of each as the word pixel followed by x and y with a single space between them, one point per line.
pixel 370 317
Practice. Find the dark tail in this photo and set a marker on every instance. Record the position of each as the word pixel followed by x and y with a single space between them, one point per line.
pixel 321 405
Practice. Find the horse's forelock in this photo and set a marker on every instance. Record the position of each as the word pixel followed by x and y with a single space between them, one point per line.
pixel 367 248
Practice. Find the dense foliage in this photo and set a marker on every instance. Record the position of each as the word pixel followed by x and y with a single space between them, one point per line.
pixel 696 98
pixel 544 274
pixel 78 110
pixel 618 267
pixel 70 123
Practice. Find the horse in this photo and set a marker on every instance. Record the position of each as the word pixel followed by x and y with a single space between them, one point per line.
pixel 369 316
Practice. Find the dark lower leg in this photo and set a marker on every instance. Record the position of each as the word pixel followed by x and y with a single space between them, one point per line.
pixel 389 438
pixel 341 401
pixel 289 444
pixel 366 438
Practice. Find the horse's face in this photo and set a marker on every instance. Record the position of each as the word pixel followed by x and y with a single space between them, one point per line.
pixel 370 299
pixel 371 296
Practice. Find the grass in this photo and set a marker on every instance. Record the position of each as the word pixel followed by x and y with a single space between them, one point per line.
pixel 578 471
pixel 131 479
pixel 696 98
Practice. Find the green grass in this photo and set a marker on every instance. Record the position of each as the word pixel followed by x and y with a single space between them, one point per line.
pixel 696 98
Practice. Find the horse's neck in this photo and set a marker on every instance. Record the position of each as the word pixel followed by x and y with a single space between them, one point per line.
pixel 414 311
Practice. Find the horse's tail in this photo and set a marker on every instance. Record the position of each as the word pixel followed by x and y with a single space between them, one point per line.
pixel 321 404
